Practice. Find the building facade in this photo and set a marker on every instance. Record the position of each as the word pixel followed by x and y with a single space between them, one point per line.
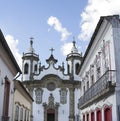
pixel 100 73
pixel 55 93
pixel 22 103
pixel 8 70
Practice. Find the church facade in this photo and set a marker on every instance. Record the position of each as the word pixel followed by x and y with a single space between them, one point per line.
pixel 55 93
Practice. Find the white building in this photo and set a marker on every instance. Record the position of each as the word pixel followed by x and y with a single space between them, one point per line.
pixel 100 73
pixel 8 70
pixel 55 93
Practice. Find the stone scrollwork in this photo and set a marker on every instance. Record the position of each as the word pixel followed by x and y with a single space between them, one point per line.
pixel 38 93
pixel 63 95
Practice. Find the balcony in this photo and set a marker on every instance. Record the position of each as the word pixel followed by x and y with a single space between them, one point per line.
pixel 5 118
pixel 104 86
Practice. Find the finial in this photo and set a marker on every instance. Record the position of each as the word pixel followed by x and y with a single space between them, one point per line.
pixel 52 50
pixel 74 41
pixel 31 41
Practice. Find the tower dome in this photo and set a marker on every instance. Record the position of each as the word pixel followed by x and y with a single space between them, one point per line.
pixel 30 63
pixel 73 61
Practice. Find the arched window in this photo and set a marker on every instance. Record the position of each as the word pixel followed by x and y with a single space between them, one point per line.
pixel 107 114
pixel 35 68
pixel 26 67
pixel 68 68
pixel 77 68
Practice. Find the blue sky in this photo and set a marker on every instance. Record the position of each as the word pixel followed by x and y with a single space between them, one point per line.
pixel 52 23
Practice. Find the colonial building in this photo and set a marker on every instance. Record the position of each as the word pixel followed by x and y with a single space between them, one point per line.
pixel 55 93
pixel 100 73
pixel 8 70
pixel 22 103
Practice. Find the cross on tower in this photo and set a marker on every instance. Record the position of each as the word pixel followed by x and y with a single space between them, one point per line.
pixel 74 41
pixel 31 41
pixel 52 50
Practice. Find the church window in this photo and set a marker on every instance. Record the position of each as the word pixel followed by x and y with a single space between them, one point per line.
pixel 26 67
pixel 63 96
pixel 38 93
pixel 16 113
pixel 35 68
pixel 68 68
pixel 77 68
pixel 21 114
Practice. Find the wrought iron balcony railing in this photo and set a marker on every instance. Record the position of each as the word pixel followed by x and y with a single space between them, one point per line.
pixel 103 86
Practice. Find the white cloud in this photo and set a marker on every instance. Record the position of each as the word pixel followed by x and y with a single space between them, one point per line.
pixel 56 24
pixel 92 13
pixel 13 46
pixel 66 48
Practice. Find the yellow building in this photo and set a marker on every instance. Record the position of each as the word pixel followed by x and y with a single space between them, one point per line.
pixel 22 106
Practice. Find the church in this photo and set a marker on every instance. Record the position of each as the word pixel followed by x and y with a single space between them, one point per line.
pixel 55 93
pixel 87 90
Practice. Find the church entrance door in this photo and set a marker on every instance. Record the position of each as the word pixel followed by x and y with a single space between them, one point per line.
pixel 50 115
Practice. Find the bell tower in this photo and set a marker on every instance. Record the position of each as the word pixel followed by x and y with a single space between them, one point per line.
pixel 73 61
pixel 29 63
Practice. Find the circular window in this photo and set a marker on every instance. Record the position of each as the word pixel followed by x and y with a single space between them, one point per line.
pixel 51 86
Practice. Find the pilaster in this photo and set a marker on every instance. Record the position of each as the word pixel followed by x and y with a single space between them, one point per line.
pixel 71 104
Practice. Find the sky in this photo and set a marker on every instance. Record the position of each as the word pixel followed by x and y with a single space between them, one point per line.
pixel 52 24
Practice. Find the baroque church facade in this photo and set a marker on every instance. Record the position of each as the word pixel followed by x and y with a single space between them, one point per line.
pixel 55 93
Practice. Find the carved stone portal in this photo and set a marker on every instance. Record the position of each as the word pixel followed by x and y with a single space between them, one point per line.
pixel 51 109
